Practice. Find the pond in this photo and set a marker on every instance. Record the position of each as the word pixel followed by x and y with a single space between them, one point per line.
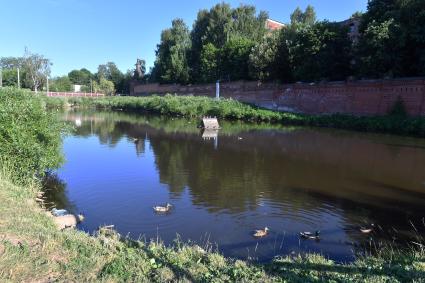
pixel 225 185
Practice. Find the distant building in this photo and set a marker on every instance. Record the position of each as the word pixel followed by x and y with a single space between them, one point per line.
pixel 353 24
pixel 274 25
pixel 77 88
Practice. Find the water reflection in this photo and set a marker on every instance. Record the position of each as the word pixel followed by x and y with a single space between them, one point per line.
pixel 289 179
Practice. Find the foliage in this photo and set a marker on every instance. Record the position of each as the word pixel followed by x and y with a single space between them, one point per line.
pixel 217 27
pixel 393 39
pixel 308 17
pixel 10 77
pixel 60 84
pixel 209 62
pixel 37 68
pixel 104 86
pixel 318 51
pixel 171 63
pixel 235 59
pixel 80 77
pixel 30 138
pixel 263 60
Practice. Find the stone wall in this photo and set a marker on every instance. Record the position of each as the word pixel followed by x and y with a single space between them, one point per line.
pixel 368 97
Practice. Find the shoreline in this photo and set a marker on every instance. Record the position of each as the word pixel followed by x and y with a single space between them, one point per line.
pixel 228 109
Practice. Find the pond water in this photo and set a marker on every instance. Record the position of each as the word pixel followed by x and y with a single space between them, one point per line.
pixel 225 185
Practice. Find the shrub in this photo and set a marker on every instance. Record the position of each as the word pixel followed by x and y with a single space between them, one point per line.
pixel 30 137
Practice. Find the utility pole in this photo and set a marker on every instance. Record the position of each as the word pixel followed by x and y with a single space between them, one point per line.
pixel 1 77
pixel 19 81
pixel 47 86
pixel 91 86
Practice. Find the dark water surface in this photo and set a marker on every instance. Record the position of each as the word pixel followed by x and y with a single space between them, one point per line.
pixel 248 177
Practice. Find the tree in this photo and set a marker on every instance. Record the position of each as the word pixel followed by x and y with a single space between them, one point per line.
pixel 209 63
pixel 319 51
pixel 263 59
pixel 104 86
pixel 234 60
pixel 37 68
pixel 80 77
pixel 392 41
pixel 171 65
pixel 308 17
pixel 10 77
pixel 220 25
pixel 60 84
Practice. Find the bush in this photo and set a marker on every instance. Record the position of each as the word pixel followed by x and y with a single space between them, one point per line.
pixel 30 138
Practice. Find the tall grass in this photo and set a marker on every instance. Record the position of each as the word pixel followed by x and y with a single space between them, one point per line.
pixel 189 106
pixel 30 137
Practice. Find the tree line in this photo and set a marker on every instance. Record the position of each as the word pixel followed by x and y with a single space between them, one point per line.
pixel 34 69
pixel 233 44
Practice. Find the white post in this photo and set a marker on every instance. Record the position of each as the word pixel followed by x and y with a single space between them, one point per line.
pixel 47 86
pixel 19 81
pixel 217 90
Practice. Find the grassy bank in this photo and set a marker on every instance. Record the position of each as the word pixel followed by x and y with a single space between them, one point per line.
pixel 189 106
pixel 33 250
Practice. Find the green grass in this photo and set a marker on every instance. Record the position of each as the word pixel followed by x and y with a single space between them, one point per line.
pixel 189 106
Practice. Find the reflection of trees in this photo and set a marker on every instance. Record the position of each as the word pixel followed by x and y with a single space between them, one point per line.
pixel 55 192
pixel 364 178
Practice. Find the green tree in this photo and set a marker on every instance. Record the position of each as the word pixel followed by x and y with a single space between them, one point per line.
pixel 104 86
pixel 263 60
pixel 60 84
pixel 318 51
pixel 393 39
pixel 234 61
pixel 220 25
pixel 171 65
pixel 308 17
pixel 37 69
pixel 80 77
pixel 209 63
pixel 10 77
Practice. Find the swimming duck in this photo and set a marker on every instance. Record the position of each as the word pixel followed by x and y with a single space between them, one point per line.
pixel 261 233
pixel 135 140
pixel 310 235
pixel 165 208
pixel 368 229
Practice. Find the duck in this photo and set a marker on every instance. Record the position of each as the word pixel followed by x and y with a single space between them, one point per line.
pixel 261 233
pixel 165 208
pixel 367 230
pixel 135 140
pixel 310 235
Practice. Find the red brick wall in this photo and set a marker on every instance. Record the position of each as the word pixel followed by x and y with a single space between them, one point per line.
pixel 374 97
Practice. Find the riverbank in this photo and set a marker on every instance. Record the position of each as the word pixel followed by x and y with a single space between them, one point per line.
pixel 189 106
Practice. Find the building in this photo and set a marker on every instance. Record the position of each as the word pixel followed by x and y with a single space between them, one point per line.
pixel 353 24
pixel 273 25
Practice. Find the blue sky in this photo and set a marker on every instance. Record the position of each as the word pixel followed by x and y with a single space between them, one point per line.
pixel 85 33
